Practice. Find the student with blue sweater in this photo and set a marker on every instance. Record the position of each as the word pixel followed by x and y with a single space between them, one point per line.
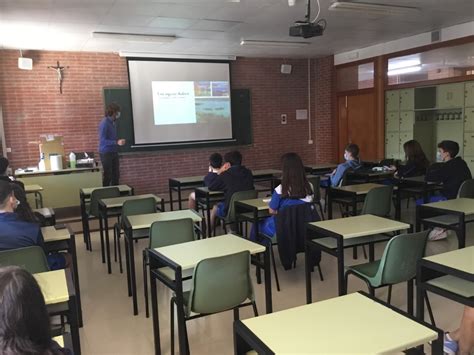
pixel 215 163
pixel 352 161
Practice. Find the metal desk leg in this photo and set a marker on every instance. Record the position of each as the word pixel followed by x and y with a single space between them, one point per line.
pixel 102 247
pixel 75 271
pixel 180 205
pixel 72 319
pixel 268 281
pixel 340 266
pixel 307 251
pixel 107 241
pixel 133 280
pixel 171 195
pixel 154 313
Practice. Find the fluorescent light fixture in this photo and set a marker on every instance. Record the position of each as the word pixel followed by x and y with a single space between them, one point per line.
pixel 283 44
pixel 175 56
pixel 368 8
pixel 399 64
pixel 134 37
pixel 405 70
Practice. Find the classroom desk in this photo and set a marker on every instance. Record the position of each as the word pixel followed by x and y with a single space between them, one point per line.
pixel 354 193
pixel 320 169
pixel 60 297
pixel 264 175
pixel 332 236
pixel 413 185
pixel 450 275
pixel 56 240
pixel 252 211
pixel 84 197
pixel 113 207
pixel 36 190
pixel 351 324
pixel 207 198
pixel 143 222
pixel 369 175
pixel 186 256
pixel 450 214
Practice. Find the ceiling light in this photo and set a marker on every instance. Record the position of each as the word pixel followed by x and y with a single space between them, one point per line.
pixel 285 44
pixel 405 70
pixel 368 8
pixel 134 37
pixel 175 56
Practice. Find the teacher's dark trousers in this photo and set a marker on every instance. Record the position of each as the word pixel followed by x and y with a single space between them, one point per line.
pixel 111 167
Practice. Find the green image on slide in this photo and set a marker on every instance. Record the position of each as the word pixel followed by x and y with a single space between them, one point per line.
pixel 212 99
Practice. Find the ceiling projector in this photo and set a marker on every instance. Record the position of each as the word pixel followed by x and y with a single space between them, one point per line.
pixel 306 29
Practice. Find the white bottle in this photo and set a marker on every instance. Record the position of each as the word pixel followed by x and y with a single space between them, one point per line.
pixel 42 165
pixel 72 160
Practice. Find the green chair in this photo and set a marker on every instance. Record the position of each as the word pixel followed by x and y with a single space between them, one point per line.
pixel 31 259
pixel 230 218
pixel 93 213
pixel 162 234
pixel 466 190
pixel 315 182
pixel 219 284
pixel 130 208
pixel 398 264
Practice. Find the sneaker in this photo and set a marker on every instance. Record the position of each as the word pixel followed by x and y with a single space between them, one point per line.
pixel 438 234
pixel 450 346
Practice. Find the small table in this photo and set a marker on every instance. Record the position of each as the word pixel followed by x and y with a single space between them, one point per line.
pixel 450 214
pixel 207 197
pixel 320 169
pixel 416 184
pixel 141 222
pixel 36 190
pixel 351 324
pixel 63 239
pixel 186 256
pixel 450 275
pixel 252 210
pixel 84 196
pixel 352 192
pixel 369 175
pixel 183 183
pixel 113 207
pixel 59 296
pixel 332 236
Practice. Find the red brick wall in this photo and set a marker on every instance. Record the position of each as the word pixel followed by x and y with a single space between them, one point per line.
pixel 32 106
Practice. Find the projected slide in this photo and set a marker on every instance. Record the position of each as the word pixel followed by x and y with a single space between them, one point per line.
pixel 187 102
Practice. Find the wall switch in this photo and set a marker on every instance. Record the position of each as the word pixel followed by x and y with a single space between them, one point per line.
pixel 310 141
pixel 284 119
pixel 9 150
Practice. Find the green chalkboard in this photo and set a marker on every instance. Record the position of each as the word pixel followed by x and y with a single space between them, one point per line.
pixel 241 121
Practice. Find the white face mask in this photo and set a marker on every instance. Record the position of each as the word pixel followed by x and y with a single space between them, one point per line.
pixel 117 115
pixel 346 156
pixel 439 158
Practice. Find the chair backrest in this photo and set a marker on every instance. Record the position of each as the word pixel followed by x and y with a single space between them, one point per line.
pixel 467 189
pixel 378 201
pixel 315 182
pixel 99 194
pixel 31 259
pixel 221 283
pixel 139 206
pixel 239 196
pixel 400 258
pixel 345 177
pixel 164 233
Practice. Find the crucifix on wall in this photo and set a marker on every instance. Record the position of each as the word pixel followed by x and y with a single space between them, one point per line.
pixel 59 70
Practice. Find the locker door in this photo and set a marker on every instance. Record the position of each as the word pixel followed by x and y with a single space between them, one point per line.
pixel 469 144
pixel 392 100
pixel 392 145
pixel 469 119
pixel 392 122
pixel 450 96
pixel 407 120
pixel 405 137
pixel 470 163
pixel 407 99
pixel 469 94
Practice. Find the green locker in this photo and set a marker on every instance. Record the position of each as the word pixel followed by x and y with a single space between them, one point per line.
pixel 469 119
pixel 469 144
pixel 405 137
pixel 470 163
pixel 407 99
pixel 392 145
pixel 392 122
pixel 450 96
pixel 469 94
pixel 392 100
pixel 407 120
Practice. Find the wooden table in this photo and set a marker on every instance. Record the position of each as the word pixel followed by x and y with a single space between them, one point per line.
pixel 332 236
pixel 320 169
pixel 369 175
pixel 84 196
pixel 63 239
pixel 183 183
pixel 113 207
pixel 206 198
pixel 36 190
pixel 351 324
pixel 186 256
pixel 414 185
pixel 264 175
pixel 252 210
pixel 143 222
pixel 60 298
pixel 354 193
pixel 450 214
pixel 450 275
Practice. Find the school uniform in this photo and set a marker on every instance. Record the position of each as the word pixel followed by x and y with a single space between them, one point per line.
pixel 341 169
pixel 451 174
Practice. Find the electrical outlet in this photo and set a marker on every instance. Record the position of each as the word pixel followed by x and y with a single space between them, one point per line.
pixel 310 141
pixel 9 150
pixel 284 118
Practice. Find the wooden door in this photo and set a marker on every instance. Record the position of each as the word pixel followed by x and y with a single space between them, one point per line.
pixel 342 126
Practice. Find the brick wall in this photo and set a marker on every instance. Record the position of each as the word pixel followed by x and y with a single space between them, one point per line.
pixel 32 105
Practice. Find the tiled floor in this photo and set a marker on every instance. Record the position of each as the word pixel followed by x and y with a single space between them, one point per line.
pixel 111 328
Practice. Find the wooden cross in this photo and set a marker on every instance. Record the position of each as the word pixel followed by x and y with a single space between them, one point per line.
pixel 59 70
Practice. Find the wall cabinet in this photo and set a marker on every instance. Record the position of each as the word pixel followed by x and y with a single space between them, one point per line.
pixel 392 100
pixel 469 119
pixel 469 144
pixel 407 100
pixel 470 162
pixel 407 120
pixel 392 145
pixel 450 96
pixel 469 94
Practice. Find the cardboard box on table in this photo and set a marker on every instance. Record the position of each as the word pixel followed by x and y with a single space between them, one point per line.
pixel 51 145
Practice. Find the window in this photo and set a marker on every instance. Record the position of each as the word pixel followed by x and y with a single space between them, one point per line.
pixel 355 77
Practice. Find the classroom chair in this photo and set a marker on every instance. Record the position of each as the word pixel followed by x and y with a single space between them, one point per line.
pixel 162 234
pixel 32 259
pixel 466 190
pixel 398 264
pixel 315 182
pixel 46 216
pixel 230 218
pixel 218 285
pixel 130 208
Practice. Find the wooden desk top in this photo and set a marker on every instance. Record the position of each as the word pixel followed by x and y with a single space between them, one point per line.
pixel 53 284
pixel 189 179
pixel 88 190
pixel 350 324
pixel 464 205
pixel 260 203
pixel 460 259
pixel 324 166
pixel 360 189
pixel 51 234
pixel 205 189
pixel 143 221
pixel 189 254
pixel 33 188
pixel 116 202
pixel 262 172
pixel 360 226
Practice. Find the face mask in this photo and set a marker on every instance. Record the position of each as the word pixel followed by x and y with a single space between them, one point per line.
pixel 439 158
pixel 117 115
pixel 346 156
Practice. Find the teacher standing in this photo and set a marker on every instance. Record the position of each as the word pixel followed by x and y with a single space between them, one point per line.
pixel 108 145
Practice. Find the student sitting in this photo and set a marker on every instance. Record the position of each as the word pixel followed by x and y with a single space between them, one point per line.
pixel 232 177
pixel 4 175
pixel 416 161
pixel 24 319
pixel 294 189
pixel 215 163
pixel 352 161
pixel 16 233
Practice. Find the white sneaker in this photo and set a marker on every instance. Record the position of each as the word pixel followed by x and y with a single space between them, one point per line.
pixel 438 234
